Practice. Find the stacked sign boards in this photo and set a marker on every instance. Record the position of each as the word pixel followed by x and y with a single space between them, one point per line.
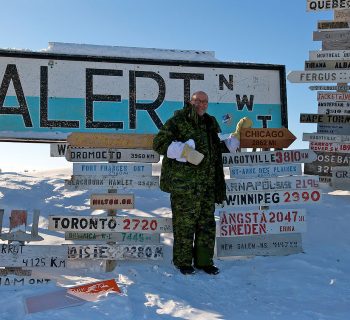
pixel 331 65
pixel 265 179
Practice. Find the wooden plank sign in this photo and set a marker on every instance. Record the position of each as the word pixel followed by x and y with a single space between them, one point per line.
pixel 334 110
pixel 111 224
pixel 13 282
pixel 326 137
pixel 313 5
pixel 338 88
pixel 110 140
pixel 46 256
pixel 271 198
pixel 330 147
pixel 331 35
pixel 336 44
pixel 112 201
pixel 111 182
pixel 341 178
pixel 259 245
pixel 333 96
pixel 334 128
pixel 342 15
pixel 115 252
pixel 326 65
pixel 268 157
pixel 112 169
pixel 248 223
pixel 58 149
pixel 266 138
pixel 325 55
pixel 271 183
pixel 111 155
pixel 265 171
pixel 120 237
pixel 331 76
pixel 324 118
pixel 330 24
pixel 325 162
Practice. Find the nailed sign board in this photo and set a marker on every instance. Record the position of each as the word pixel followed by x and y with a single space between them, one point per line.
pixel 14 255
pixel 265 171
pixel 333 96
pixel 319 76
pixel 116 155
pixel 263 245
pixel 272 183
pixel 316 5
pixel 338 88
pixel 325 161
pixel 120 237
pixel 113 252
pixel 112 169
pixel 268 157
pixel 248 223
pixel 46 96
pixel 324 118
pixel 334 128
pixel 330 146
pixel 109 224
pixel 334 110
pixel 111 182
pixel 327 65
pixel 331 35
pixel 341 178
pixel 266 138
pixel 110 140
pixel 334 104
pixel 336 45
pixel 325 55
pixel 330 24
pixel 273 197
pixel 17 281
pixel 326 137
pixel 112 201
pixel 342 15
pixel 58 149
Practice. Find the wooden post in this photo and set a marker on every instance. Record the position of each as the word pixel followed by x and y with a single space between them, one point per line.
pixel 111 264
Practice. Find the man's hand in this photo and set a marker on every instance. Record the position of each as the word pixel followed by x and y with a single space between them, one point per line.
pixel 191 155
pixel 243 123
pixel 184 151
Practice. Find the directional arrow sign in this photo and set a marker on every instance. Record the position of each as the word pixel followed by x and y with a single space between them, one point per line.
pixel 339 88
pixel 327 5
pixel 325 55
pixel 266 138
pixel 323 118
pixel 331 35
pixel 111 140
pixel 319 76
pixel 326 137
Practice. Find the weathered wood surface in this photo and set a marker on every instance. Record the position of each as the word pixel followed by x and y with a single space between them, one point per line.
pixel 112 201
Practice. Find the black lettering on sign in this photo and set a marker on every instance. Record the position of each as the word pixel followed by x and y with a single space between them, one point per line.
pixel 91 97
pixel 264 120
pixel 44 122
pixel 187 77
pixel 149 107
pixel 244 101
pixel 11 73
pixel 223 81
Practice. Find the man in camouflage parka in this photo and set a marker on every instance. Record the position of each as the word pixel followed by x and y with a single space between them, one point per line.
pixel 194 185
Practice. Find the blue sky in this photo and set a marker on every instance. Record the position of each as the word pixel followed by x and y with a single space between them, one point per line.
pixel 271 31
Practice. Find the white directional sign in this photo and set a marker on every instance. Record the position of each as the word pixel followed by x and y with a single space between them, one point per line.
pixel 272 197
pixel 326 137
pixel 112 169
pixel 317 5
pixel 334 128
pixel 244 223
pixel 324 55
pixel 103 154
pixel 109 224
pixel 115 252
pixel 268 157
pixel 111 182
pixel 319 76
pixel 112 201
pixel 272 183
pixel 15 255
pixel 265 171
pixel 331 35
pixel 339 87
pixel 334 110
pixel 333 96
pixel 58 149
pixel 330 147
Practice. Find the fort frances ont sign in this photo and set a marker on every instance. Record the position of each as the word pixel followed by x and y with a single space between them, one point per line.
pixel 46 96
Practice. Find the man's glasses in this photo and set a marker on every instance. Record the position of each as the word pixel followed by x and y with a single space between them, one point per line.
pixel 201 101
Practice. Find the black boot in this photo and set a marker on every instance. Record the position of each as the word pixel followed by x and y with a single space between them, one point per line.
pixel 210 269
pixel 187 270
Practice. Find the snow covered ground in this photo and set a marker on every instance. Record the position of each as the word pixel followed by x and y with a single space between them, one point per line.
pixel 311 285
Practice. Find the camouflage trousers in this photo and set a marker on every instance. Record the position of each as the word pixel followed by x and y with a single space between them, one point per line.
pixel 194 228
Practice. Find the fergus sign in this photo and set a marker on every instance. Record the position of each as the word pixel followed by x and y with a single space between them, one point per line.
pixel 46 96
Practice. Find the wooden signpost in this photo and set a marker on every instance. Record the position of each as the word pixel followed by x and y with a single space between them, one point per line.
pixel 271 183
pixel 329 55
pixel 112 155
pixel 341 178
pixel 326 76
pixel 112 169
pixel 269 157
pixel 112 201
pixel 266 138
pixel 272 197
pixel 265 171
pixel 111 182
pixel 261 222
pixel 324 118
pixel 111 140
pixel 110 224
pixel 259 245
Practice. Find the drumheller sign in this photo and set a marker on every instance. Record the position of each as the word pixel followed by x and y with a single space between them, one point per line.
pixel 46 96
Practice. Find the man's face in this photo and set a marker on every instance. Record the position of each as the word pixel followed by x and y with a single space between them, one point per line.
pixel 200 102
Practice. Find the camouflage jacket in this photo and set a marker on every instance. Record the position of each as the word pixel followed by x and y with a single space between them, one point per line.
pixel 179 176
